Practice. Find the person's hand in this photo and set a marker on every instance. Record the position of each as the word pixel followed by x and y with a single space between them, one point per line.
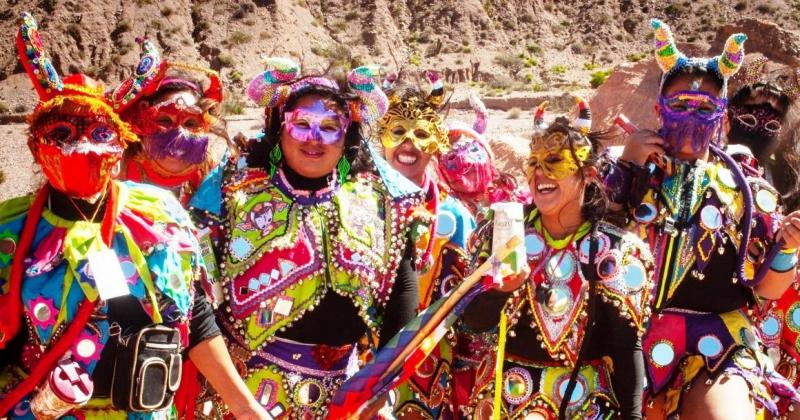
pixel 513 282
pixel 251 411
pixel 642 144
pixel 790 230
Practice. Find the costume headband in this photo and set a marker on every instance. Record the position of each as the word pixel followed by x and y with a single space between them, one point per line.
pixel 78 89
pixel 151 74
pixel 781 81
pixel 281 80
pixel 671 60
pixel 582 123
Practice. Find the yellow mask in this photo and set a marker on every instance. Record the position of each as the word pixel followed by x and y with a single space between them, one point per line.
pixel 552 153
pixel 416 121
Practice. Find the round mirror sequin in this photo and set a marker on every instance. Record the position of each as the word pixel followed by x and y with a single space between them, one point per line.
pixel 662 354
pixel 770 326
pixel 603 245
pixel 709 346
pixel 766 201
pixel 577 392
pixel 645 213
pixel 794 317
pixel 608 266
pixel 534 245
pixel 558 300
pixel 711 218
pixel 445 224
pixel 309 393
pixel 86 348
pixel 561 266
pixel 635 275
pixel 517 385
pixel 42 312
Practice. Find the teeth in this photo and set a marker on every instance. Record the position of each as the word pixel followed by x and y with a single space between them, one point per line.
pixel 407 159
pixel 543 187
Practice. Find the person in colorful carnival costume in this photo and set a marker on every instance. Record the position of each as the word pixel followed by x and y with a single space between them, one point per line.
pixel 758 112
pixel 412 133
pixel 88 261
pixel 318 250
pixel 468 167
pixel 176 119
pixel 571 323
pixel 709 228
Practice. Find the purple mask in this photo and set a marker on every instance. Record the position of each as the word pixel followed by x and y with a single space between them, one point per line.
pixel 691 117
pixel 317 123
pixel 176 143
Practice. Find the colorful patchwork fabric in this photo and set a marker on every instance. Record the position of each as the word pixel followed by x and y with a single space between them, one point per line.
pixel 530 389
pixel 160 259
pixel 286 249
pixel 680 344
pixel 706 195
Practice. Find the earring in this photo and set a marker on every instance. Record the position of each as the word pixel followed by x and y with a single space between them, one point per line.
pixel 275 156
pixel 344 168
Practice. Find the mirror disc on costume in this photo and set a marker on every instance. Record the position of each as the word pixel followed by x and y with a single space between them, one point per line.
pixel 146 64
pixel 445 224
pixel 558 300
pixel 603 245
pixel 709 346
pixel 42 312
pixel 517 385
pixel 52 76
pixel 577 392
pixel 793 317
pixel 662 354
pixel 86 348
pixel 770 326
pixel 766 201
pixel 608 266
pixel 309 392
pixel 726 177
pixel 534 245
pixel 645 213
pixel 8 246
pixel 635 275
pixel 561 266
pixel 711 217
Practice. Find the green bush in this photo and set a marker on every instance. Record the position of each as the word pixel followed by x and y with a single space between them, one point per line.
pixel 590 66
pixel 636 57
pixel 224 60
pixel 558 69
pixel 238 38
pixel 233 104
pixel 533 49
pixel 599 77
pixel 4 108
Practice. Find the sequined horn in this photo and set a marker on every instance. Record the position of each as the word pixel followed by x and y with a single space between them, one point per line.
pixel 145 79
pixel 35 59
pixel 731 59
pixel 436 96
pixel 268 88
pixel 584 120
pixel 481 116
pixel 372 103
pixel 667 54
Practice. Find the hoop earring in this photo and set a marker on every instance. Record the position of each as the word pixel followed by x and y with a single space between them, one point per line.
pixel 275 156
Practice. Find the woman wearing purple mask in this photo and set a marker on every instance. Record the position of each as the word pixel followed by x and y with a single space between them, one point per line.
pixel 714 233
pixel 318 251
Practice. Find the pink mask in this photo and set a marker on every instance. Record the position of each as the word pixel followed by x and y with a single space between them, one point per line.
pixel 467 167
pixel 317 123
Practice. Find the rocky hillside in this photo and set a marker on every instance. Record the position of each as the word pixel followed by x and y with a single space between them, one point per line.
pixel 504 47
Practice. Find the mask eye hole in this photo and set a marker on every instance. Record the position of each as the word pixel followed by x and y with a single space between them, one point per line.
pixel 192 123
pixel 748 120
pixel 552 159
pixel 164 121
pixel 102 133
pixel 773 126
pixel 60 133
pixel 678 105
pixel 398 131
pixel 421 134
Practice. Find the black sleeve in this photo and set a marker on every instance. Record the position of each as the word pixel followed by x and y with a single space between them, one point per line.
pixel 483 313
pixel 202 326
pixel 404 299
pixel 628 376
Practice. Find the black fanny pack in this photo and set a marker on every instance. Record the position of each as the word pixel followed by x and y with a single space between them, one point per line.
pixel 147 370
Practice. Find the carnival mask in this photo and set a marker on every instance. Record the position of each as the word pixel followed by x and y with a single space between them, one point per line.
pixel 755 126
pixel 77 154
pixel 554 155
pixel 176 128
pixel 415 121
pixel 691 118
pixel 316 123
pixel 467 167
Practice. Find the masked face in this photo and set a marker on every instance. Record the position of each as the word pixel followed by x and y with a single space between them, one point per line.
pixel 553 154
pixel 757 126
pixel 77 154
pixel 316 123
pixel 175 131
pixel 467 167
pixel 416 122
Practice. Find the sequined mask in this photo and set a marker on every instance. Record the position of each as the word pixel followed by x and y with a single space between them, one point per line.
pixel 693 118
pixel 415 121
pixel 316 123
pixel 467 167
pixel 554 155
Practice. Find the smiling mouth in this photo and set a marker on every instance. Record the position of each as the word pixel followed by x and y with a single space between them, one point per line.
pixel 406 158
pixel 312 153
pixel 546 188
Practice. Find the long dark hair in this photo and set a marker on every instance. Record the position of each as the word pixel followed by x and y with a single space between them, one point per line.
pixel 354 149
